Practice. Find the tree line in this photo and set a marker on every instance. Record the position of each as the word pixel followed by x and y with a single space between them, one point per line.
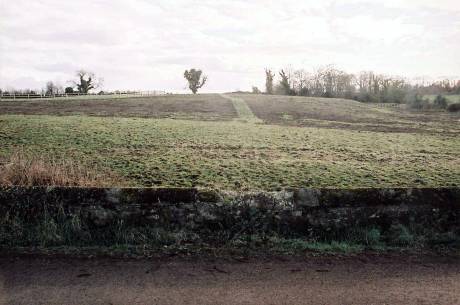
pixel 365 86
pixel 87 81
pixel 84 82
pixel 326 81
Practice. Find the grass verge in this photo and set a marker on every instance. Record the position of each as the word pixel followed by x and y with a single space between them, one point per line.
pixel 64 232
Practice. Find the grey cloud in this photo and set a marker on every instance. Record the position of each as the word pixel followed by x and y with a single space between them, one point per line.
pixel 57 67
pixel 147 44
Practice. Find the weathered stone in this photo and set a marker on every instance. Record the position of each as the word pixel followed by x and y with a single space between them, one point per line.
pixel 206 213
pixel 307 197
pixel 284 198
pixel 113 195
pixel 209 196
pixel 297 211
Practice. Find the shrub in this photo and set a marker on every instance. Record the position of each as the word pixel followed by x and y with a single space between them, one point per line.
pixel 400 235
pixel 454 107
pixel 29 170
pixel 415 101
pixel 440 102
pixel 365 236
pixel 373 237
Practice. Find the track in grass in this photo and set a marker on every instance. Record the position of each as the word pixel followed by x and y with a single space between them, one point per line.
pixel 244 112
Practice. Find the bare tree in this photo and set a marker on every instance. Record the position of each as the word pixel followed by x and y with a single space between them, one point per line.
pixel 269 76
pixel 301 82
pixel 51 88
pixel 195 80
pixel 87 81
pixel 331 82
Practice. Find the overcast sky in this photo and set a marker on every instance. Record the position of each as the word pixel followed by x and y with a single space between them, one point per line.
pixel 140 44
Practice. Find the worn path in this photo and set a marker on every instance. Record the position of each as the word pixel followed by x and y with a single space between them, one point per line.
pixel 359 280
pixel 242 108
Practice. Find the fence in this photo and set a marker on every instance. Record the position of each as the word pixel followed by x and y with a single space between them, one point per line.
pixel 389 105
pixel 14 96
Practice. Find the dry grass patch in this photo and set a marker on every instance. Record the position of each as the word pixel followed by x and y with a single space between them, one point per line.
pixel 37 170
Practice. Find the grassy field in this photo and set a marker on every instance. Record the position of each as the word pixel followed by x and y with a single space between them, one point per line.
pixel 202 107
pixel 348 114
pixel 279 142
pixel 453 98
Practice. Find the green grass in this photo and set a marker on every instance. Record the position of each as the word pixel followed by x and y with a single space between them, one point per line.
pixel 237 155
pixel 244 112
pixel 453 98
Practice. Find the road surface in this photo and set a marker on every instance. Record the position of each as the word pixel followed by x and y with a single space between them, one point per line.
pixel 363 279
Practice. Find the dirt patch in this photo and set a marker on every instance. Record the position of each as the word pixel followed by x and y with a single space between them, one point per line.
pixel 346 114
pixel 363 279
pixel 201 107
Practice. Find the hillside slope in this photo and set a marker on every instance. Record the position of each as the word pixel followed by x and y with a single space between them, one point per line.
pixel 349 114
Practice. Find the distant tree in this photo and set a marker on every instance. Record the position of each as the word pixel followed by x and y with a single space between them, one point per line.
pixel 50 88
pixel 300 82
pixel 255 90
pixel 195 79
pixel 285 84
pixel 440 102
pixel 304 91
pixel 269 76
pixel 68 90
pixel 86 81
pixel 416 101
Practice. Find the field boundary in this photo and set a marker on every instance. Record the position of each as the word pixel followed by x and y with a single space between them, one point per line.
pixel 388 105
pixel 242 108
pixel 159 217
pixel 77 95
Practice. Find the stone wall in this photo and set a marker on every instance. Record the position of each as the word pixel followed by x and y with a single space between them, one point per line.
pixel 304 213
